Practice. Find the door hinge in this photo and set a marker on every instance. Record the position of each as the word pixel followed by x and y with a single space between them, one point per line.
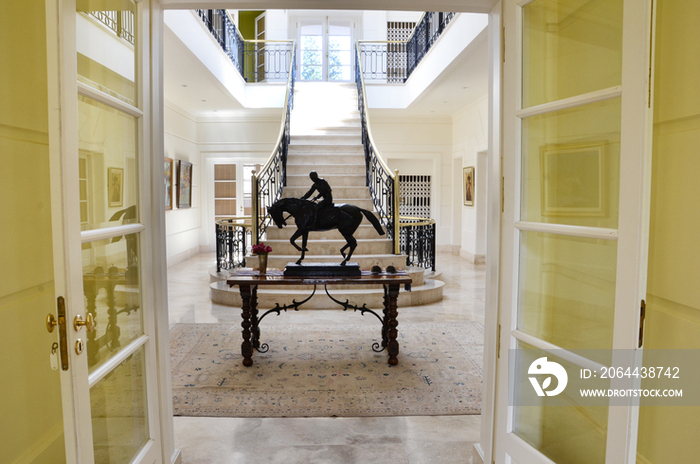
pixel 498 342
pixel 642 316
pixel 62 331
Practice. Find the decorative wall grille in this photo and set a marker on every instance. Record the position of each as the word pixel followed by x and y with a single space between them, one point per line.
pixel 415 196
pixel 396 52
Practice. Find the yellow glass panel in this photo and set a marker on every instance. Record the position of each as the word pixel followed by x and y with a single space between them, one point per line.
pixel 109 138
pixel 560 428
pixel 118 405
pixel 105 40
pixel 673 293
pixel 571 166
pixel 570 47
pixel 567 290
pixel 31 413
pixel 112 291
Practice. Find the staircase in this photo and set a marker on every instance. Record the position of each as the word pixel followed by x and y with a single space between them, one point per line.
pixel 326 136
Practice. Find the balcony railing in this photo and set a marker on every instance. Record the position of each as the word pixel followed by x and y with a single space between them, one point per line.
pixel 120 22
pixel 232 242
pixel 256 60
pixel 395 61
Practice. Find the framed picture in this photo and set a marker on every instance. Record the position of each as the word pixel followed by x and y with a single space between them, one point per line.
pixel 115 187
pixel 168 183
pixel 184 184
pixel 468 186
pixel 573 179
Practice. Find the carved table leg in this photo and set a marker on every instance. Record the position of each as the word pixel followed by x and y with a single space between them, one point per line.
pixel 255 328
pixel 246 346
pixel 392 323
pixel 385 327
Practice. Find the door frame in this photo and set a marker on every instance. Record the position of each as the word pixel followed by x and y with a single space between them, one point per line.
pixel 633 223
pixel 325 20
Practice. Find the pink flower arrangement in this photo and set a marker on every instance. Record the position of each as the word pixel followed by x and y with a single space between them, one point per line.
pixel 261 249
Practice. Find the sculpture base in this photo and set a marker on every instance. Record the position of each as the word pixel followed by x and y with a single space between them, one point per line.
pixel 321 269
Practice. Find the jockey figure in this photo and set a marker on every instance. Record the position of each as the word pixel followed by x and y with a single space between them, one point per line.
pixel 324 191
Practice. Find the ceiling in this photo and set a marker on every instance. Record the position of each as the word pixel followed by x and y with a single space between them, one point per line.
pixel 459 6
pixel 191 86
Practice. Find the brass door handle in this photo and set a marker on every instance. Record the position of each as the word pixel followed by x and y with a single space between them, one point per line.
pixel 89 323
pixel 51 322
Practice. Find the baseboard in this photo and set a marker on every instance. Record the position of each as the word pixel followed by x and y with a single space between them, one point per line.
pixel 455 250
pixel 443 248
pixel 472 258
pixel 177 457
pixel 477 454
pixel 184 256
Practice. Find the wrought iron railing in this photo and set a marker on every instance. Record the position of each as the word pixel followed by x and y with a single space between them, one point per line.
pixel 268 182
pixel 256 60
pixel 394 61
pixel 417 241
pixel 121 22
pixel 383 184
pixel 232 239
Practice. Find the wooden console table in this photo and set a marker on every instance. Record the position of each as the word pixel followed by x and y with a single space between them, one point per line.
pixel 249 281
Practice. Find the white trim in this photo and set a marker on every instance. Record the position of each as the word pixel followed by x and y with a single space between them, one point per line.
pixel 109 365
pixel 558 351
pixel 88 236
pixel 562 229
pixel 91 92
pixel 572 102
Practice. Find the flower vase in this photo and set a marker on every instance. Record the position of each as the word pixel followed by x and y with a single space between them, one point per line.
pixel 262 263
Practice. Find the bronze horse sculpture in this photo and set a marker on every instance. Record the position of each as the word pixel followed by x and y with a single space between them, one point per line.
pixel 344 217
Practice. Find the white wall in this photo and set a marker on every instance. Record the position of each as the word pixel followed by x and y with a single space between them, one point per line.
pixel 182 225
pixel 469 144
pixel 421 146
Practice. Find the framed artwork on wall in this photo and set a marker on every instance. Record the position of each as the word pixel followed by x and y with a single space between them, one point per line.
pixel 184 187
pixel 115 187
pixel 468 186
pixel 168 183
pixel 573 179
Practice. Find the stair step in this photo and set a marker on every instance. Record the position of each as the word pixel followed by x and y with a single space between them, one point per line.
pixel 326 169
pixel 365 261
pixel 374 246
pixel 365 231
pixel 332 150
pixel 325 140
pixel 339 193
pixel 303 159
pixel 335 181
pixel 429 292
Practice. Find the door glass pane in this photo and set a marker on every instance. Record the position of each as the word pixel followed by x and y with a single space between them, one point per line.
pixel 567 290
pixel 118 405
pixel 560 428
pixel 31 414
pixel 339 51
pixel 112 295
pixel 108 138
pixel 570 47
pixel 571 166
pixel 311 51
pixel 105 39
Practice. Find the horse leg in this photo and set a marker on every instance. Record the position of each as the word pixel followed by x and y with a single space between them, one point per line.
pixel 304 239
pixel 342 250
pixel 295 236
pixel 352 243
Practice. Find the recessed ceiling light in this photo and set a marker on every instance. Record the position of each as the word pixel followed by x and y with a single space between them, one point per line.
pixel 465 87
pixel 215 111
pixel 184 85
pixel 203 100
pixel 445 101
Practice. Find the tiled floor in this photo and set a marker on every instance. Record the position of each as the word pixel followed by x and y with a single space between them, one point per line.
pixel 411 440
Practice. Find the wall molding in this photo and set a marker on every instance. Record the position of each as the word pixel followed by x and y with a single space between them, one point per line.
pixel 172 134
pixel 23 135
pixel 184 256
pixel 472 258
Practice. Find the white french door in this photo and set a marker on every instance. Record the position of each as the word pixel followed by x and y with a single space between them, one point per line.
pixel 574 228
pixel 325 50
pixel 102 209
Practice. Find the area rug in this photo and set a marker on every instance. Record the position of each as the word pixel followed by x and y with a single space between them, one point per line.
pixel 326 371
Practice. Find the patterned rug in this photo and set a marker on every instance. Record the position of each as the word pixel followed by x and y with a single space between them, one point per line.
pixel 327 370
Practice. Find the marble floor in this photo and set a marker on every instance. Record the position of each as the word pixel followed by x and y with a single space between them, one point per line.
pixel 410 440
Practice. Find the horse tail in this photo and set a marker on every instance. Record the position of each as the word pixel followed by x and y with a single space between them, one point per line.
pixel 373 219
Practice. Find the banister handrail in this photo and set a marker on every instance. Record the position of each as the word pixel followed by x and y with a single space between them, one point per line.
pixel 278 155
